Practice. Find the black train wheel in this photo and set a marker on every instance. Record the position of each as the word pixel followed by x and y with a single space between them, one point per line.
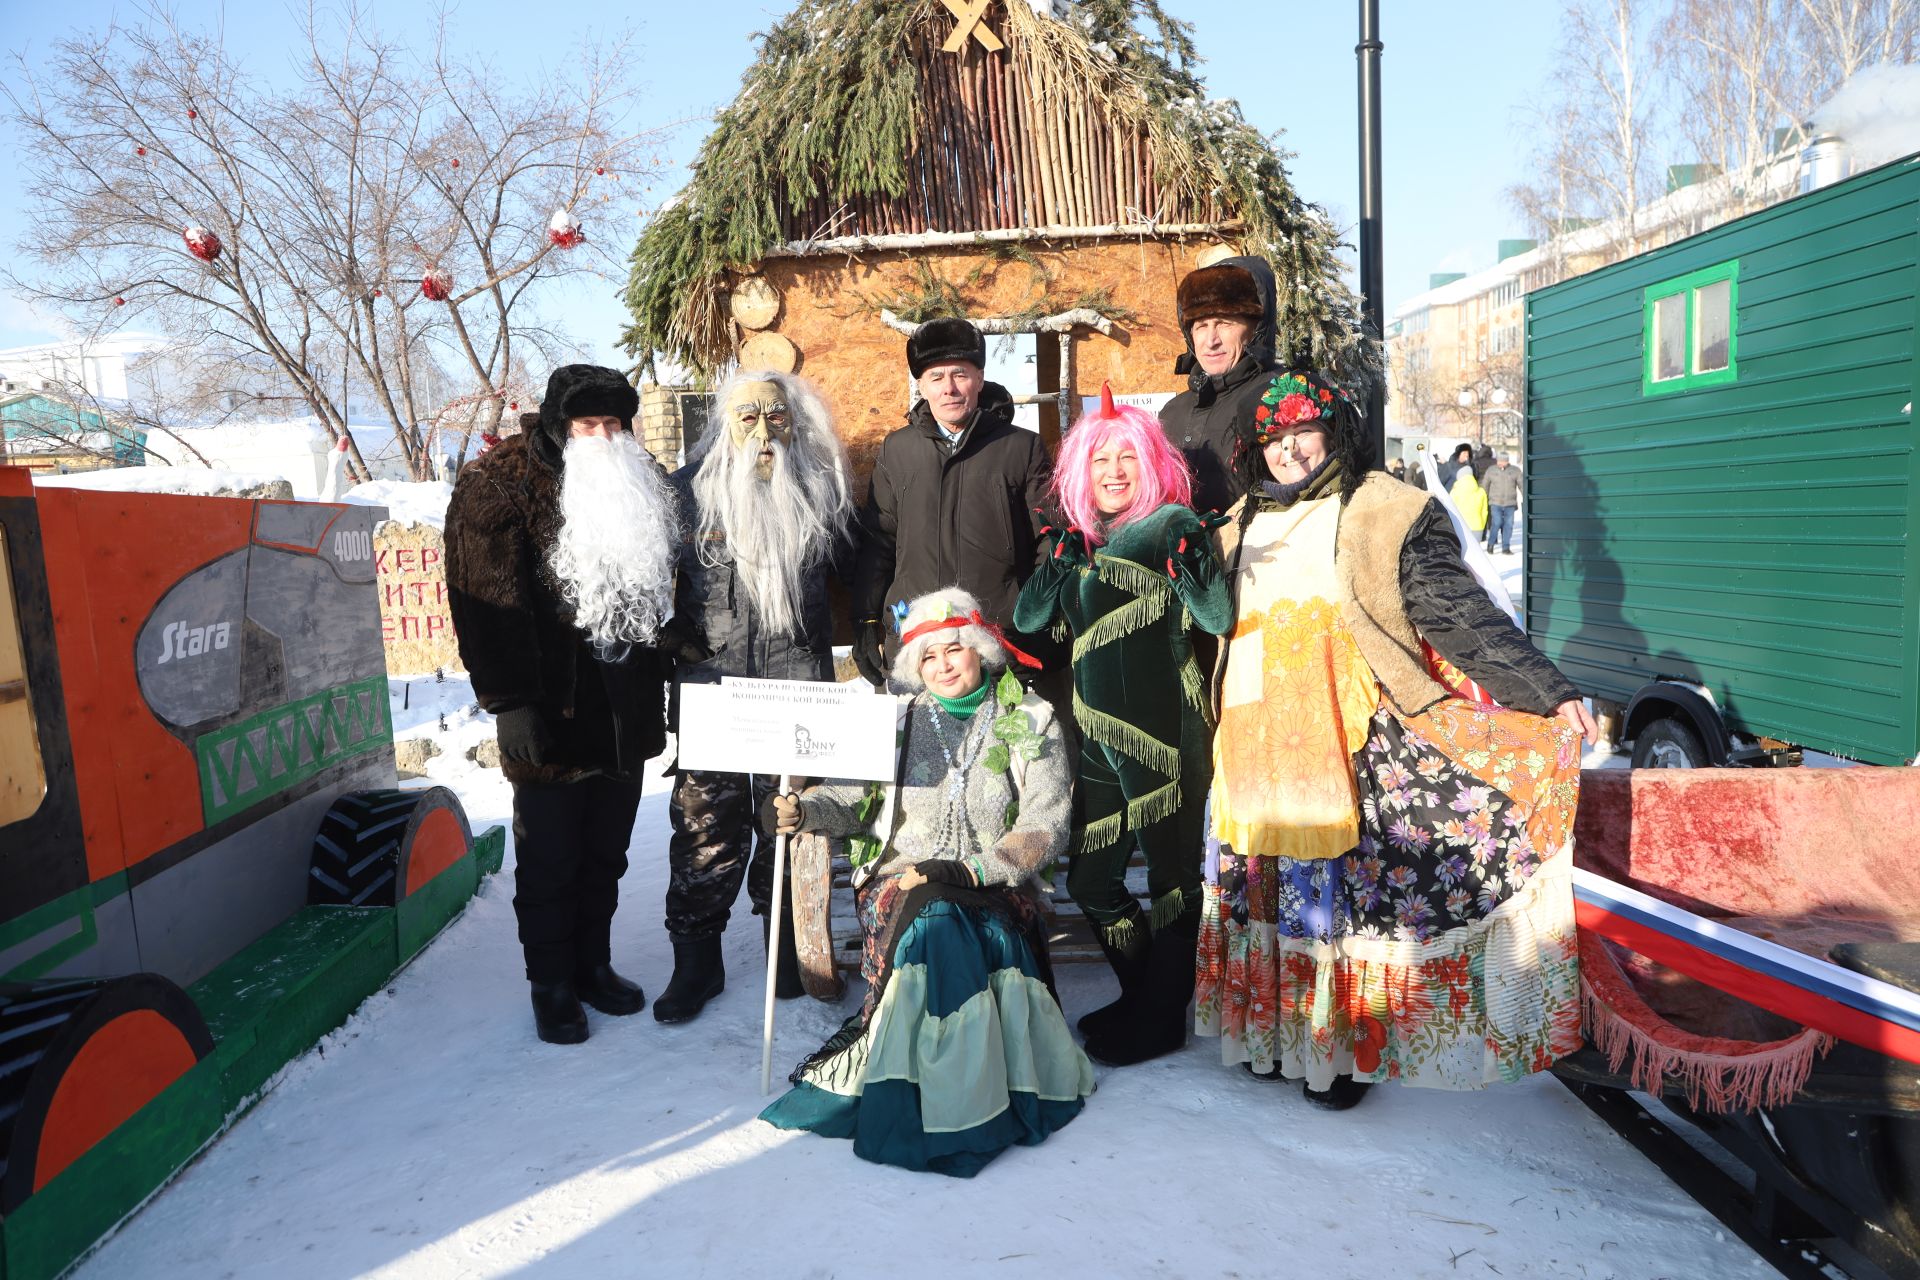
pixel 78 1058
pixel 376 847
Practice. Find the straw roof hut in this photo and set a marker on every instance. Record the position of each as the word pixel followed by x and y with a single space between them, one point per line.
pixel 1034 165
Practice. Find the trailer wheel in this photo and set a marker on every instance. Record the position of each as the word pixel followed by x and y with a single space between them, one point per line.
pixel 1668 744
pixel 376 847
pixel 78 1058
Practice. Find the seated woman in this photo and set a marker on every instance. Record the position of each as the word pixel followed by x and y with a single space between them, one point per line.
pixel 959 1050
pixel 1133 577
pixel 1391 892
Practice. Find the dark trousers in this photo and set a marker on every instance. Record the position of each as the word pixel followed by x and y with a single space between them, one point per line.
pixel 570 850
pixel 1500 526
pixel 716 830
pixel 1097 878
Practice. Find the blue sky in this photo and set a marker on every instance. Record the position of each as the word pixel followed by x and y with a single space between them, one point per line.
pixel 1455 89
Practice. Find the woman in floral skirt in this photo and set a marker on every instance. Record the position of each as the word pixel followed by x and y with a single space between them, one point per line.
pixel 1389 868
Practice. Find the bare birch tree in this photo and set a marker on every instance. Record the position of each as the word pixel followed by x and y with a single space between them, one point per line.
pixel 333 199
pixel 1592 155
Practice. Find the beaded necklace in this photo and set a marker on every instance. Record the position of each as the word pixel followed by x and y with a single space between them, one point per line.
pixel 956 836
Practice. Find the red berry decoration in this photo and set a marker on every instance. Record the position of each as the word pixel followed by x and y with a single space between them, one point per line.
pixel 436 285
pixel 139 151
pixel 192 114
pixel 513 407
pixel 564 229
pixel 456 162
pixel 202 243
pixel 119 302
pixel 600 169
pixel 376 293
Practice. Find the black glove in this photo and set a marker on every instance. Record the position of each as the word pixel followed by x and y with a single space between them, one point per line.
pixel 524 737
pixel 682 643
pixel 770 820
pixel 869 652
pixel 946 871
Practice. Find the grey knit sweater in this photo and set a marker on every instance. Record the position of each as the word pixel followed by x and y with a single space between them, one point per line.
pixel 928 824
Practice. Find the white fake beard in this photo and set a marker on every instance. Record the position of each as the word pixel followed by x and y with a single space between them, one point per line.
pixel 776 528
pixel 619 534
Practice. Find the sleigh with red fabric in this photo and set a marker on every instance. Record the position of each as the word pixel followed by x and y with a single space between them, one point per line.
pixel 1750 952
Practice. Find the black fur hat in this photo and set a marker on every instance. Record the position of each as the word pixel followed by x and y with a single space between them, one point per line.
pixel 938 341
pixel 580 391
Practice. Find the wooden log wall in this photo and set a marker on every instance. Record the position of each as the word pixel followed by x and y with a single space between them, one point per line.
pixel 998 151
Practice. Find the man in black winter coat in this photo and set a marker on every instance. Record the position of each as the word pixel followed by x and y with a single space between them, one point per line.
pixel 766 519
pixel 954 498
pixel 560 556
pixel 1226 312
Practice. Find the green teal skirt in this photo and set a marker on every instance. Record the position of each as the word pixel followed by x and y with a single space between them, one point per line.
pixel 966 1054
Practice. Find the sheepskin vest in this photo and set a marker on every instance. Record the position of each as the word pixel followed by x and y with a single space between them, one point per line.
pixel 1374 526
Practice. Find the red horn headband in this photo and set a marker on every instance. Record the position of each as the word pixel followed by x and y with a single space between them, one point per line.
pixel 955 622
pixel 1106 400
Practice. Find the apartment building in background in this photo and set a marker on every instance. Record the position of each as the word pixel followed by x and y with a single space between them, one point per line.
pixel 1456 352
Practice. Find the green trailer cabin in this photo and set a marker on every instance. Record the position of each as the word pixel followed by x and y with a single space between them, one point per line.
pixel 1721 482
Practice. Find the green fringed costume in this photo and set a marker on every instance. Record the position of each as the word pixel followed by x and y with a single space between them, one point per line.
pixel 1139 699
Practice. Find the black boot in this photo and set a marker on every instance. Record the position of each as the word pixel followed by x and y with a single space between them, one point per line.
pixel 698 976
pixel 608 992
pixel 1131 970
pixel 786 972
pixel 1158 1021
pixel 557 1015
pixel 1343 1093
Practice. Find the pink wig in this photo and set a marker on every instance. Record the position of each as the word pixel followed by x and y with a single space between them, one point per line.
pixel 1163 476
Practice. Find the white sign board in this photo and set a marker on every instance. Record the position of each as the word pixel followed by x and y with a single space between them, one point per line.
pixel 1151 401
pixel 787 728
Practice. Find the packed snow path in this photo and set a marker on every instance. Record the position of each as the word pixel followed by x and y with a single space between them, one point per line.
pixel 434 1136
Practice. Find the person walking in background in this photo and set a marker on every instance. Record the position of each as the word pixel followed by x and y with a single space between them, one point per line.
pixel 1502 484
pixel 953 499
pixel 561 545
pixel 1397 468
pixel 1469 498
pixel 1226 312
pixel 1134 578
pixel 1462 456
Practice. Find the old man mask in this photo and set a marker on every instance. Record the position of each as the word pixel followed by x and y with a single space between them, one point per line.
pixel 758 419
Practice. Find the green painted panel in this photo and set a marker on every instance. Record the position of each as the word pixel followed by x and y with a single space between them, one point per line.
pixel 63 1219
pixel 1753 536
pixel 280 748
pixel 490 848
pixel 433 906
pixel 294 984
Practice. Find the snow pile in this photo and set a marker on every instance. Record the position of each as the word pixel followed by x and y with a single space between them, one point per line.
pixel 295 450
pixel 406 501
pixel 199 481
pixel 1877 112
pixel 433 1135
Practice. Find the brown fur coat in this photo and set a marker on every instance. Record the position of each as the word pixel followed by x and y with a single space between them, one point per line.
pixel 517 635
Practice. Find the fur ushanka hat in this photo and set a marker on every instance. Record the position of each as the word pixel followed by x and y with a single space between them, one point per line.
pixel 1219 292
pixel 939 341
pixel 957 607
pixel 580 391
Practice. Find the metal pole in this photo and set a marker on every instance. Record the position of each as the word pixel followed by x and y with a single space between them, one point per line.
pixel 1372 271
pixel 778 911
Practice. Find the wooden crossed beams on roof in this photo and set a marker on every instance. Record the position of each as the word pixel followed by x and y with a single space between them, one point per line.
pixel 970 19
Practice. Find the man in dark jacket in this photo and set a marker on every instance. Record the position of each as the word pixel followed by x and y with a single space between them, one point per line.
pixel 560 552
pixel 1226 312
pixel 767 517
pixel 954 497
pixel 1462 456
pixel 1503 499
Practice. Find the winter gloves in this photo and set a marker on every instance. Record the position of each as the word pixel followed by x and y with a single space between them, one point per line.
pixel 946 871
pixel 524 737
pixel 869 652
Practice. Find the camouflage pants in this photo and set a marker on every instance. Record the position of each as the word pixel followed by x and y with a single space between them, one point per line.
pixel 715 829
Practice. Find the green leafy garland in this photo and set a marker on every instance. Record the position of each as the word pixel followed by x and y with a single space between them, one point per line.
pixel 832 107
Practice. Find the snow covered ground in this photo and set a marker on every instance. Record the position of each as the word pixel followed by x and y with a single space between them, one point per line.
pixel 434 1136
